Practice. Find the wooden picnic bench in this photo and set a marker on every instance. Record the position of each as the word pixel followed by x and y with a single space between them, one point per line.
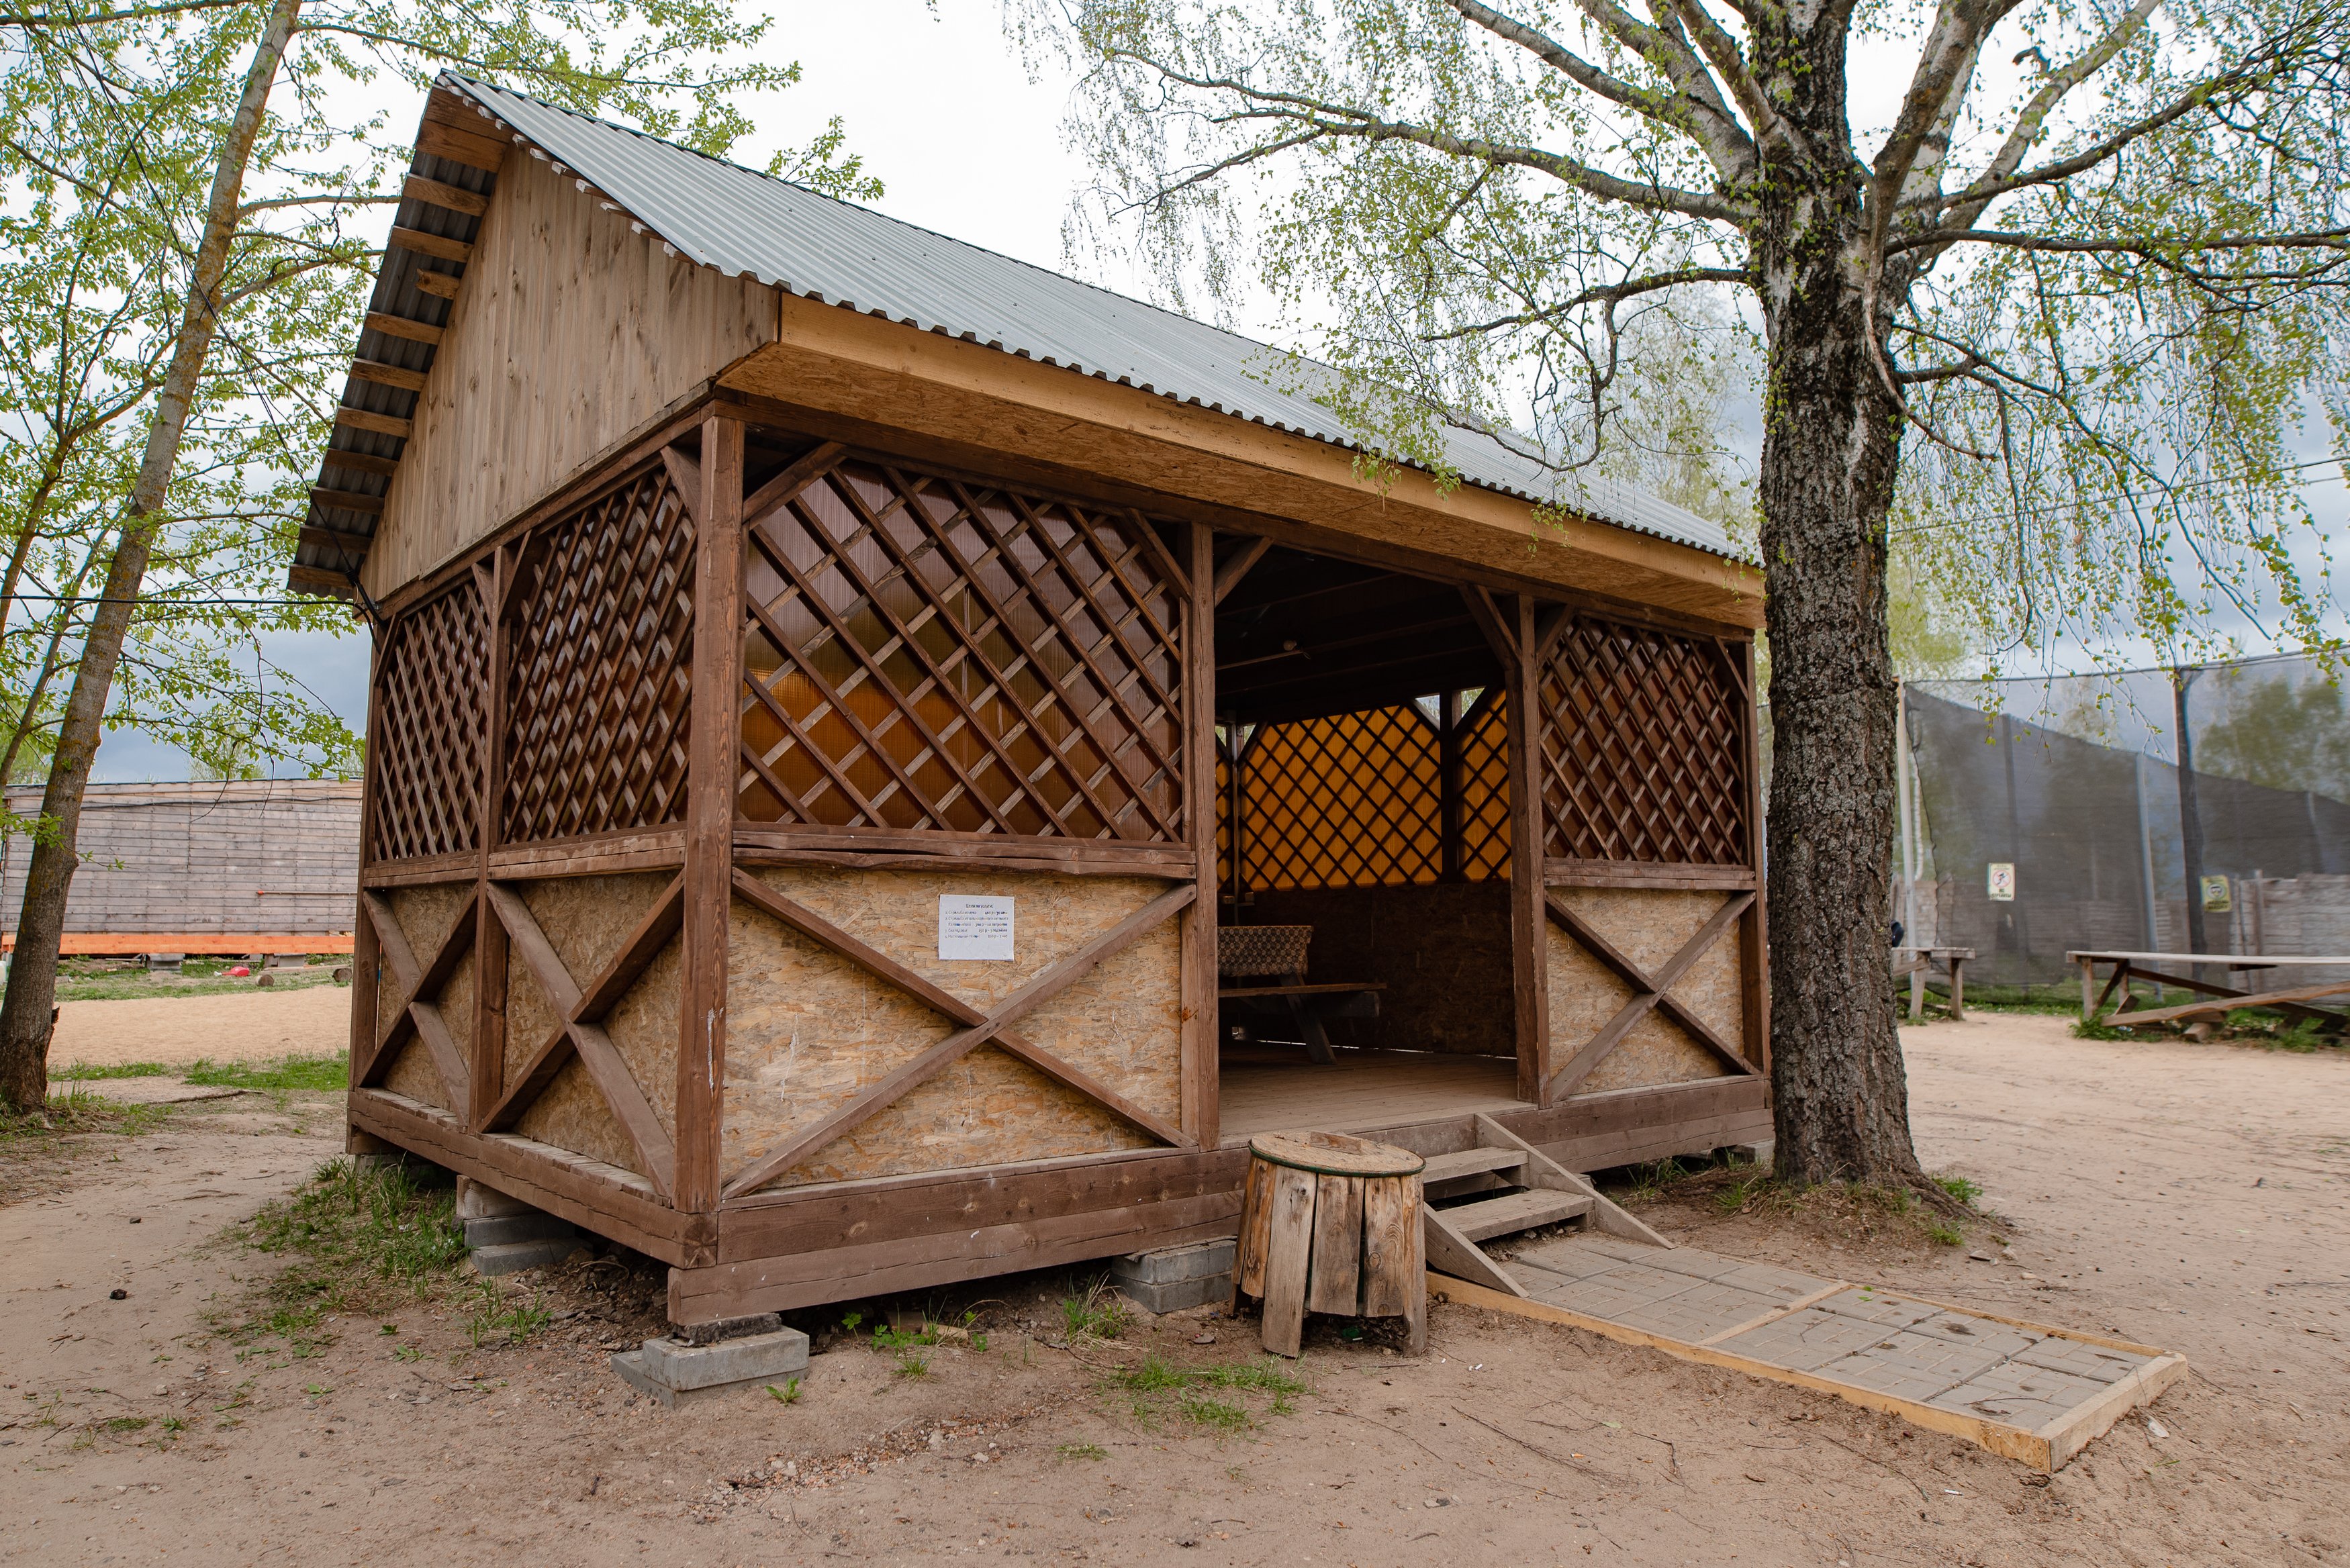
pixel 1256 952
pixel 2291 1000
pixel 1916 963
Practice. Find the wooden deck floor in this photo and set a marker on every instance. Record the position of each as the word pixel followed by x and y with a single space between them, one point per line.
pixel 1272 1088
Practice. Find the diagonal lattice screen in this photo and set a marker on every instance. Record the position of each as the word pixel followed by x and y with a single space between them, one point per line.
pixel 928 654
pixel 598 667
pixel 1485 793
pixel 1348 800
pixel 427 738
pixel 1642 747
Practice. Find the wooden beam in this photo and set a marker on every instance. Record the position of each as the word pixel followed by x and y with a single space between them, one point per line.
pixel 474 149
pixel 346 500
pixel 431 245
pixel 2221 1005
pixel 433 193
pixel 388 375
pixel 402 326
pixel 1498 628
pixel 360 463
pixel 1238 566
pixel 380 424
pixel 355 545
pixel 1529 940
pixel 439 284
pixel 713 740
pixel 805 470
pixel 313 580
pixel 1202 1022
pixel 1057 978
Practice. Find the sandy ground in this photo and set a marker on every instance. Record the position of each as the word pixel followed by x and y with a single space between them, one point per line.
pixel 2198 1198
pixel 235 1026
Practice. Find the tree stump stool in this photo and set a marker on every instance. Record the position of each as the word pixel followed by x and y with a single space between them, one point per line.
pixel 1330 1223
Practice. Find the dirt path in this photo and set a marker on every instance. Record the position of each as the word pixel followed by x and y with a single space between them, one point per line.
pixel 314 1021
pixel 2195 1197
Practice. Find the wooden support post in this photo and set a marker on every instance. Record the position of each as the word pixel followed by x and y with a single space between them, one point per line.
pixel 1529 933
pixel 1448 809
pixel 1200 1017
pixel 366 960
pixel 489 1063
pixel 709 811
pixel 1755 929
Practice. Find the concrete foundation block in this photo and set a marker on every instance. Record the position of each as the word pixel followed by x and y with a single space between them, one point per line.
pixel 1174 1278
pixel 513 1257
pixel 478 1201
pixel 497 1229
pixel 670 1370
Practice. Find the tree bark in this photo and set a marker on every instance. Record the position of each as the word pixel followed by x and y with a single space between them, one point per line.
pixel 25 1015
pixel 1830 450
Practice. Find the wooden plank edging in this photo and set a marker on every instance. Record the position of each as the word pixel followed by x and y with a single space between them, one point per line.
pixel 2047 1450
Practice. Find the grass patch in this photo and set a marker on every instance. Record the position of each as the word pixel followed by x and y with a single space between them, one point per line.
pixel 789 1394
pixel 496 1319
pixel 86 1072
pixel 324 1074
pixel 352 1241
pixel 1154 1386
pixel 97 980
pixel 1945 1234
pixel 1082 1451
pixel 1099 1314
pixel 1959 1188
pixel 78 1111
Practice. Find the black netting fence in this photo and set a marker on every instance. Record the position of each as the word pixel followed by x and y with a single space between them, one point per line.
pixel 2047 816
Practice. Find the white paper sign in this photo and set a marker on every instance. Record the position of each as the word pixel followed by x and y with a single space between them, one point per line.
pixel 978 929
pixel 2002 881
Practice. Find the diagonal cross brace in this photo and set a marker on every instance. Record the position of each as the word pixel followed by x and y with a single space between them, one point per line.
pixel 581 1032
pixel 422 985
pixel 1647 993
pixel 980 1028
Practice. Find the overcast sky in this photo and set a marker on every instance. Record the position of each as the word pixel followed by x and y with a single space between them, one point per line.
pixel 948 118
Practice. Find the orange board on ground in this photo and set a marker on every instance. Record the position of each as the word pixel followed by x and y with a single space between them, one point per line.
pixel 102 943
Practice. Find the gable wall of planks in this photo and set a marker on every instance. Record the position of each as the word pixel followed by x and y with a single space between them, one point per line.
pixel 570 333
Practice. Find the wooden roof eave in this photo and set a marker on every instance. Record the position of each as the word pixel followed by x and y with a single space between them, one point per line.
pixel 865 368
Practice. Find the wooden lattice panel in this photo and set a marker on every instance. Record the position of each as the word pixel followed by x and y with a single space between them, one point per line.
pixel 1642 747
pixel 932 655
pixel 1349 801
pixel 1485 793
pixel 429 725
pixel 598 662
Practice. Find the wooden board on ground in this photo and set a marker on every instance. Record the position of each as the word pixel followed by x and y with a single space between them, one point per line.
pixel 2023 1390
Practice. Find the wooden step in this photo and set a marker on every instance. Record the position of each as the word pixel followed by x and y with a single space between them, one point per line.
pixel 1515 1211
pixel 1471 1162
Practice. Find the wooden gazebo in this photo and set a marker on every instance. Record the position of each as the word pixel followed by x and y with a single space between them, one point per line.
pixel 832 682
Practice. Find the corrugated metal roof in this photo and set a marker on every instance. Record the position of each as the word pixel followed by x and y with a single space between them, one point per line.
pixel 745 223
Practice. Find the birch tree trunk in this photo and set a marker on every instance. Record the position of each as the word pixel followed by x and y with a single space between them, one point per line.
pixel 1830 447
pixel 25 1017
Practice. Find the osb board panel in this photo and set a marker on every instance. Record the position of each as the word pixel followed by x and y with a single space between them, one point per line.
pixel 587 919
pixel 425 916
pixel 413 1075
pixel 1441 948
pixel 808 1031
pixel 1647 926
pixel 457 1006
pixel 569 334
pixel 572 1115
pixel 530 1017
pixel 644 1030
